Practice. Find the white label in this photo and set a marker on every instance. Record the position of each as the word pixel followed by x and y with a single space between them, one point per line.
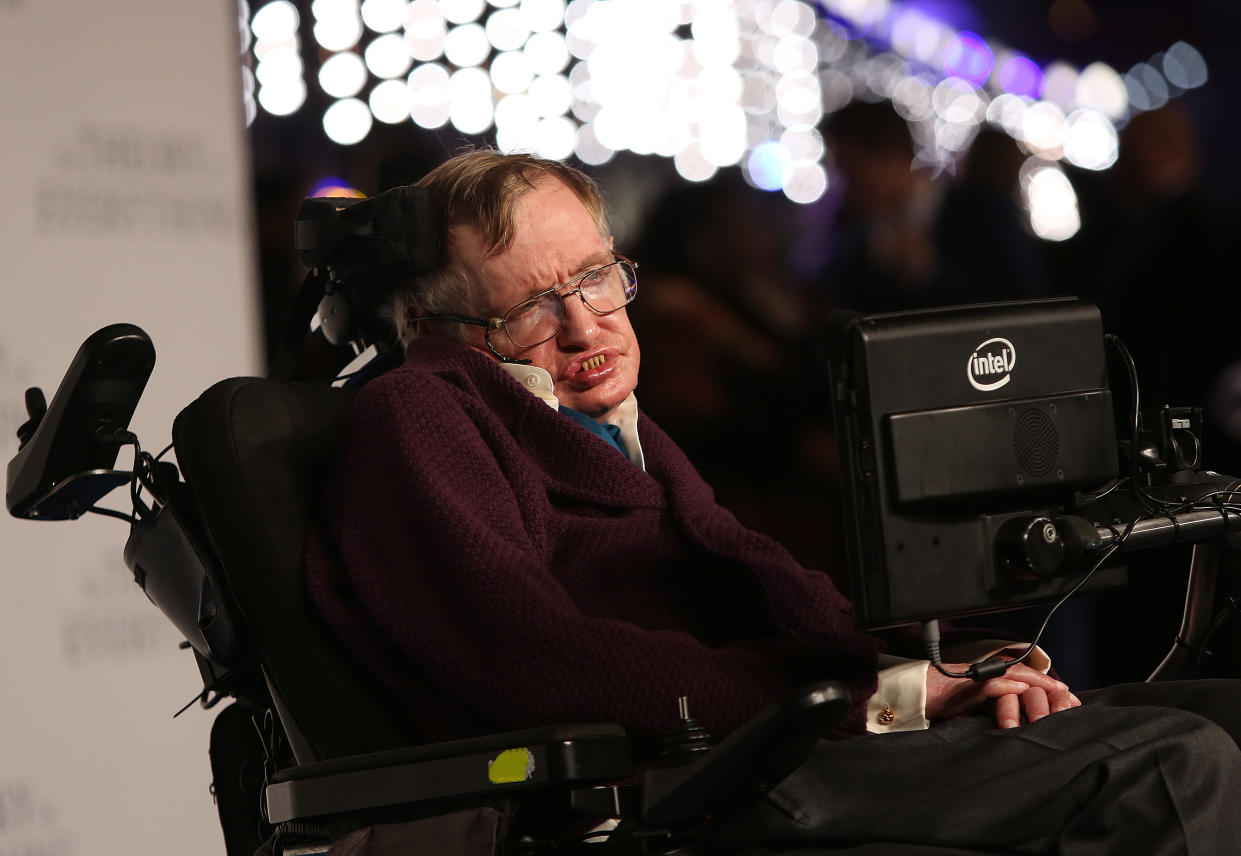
pixel 991 365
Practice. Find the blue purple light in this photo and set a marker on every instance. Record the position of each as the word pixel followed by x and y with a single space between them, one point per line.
pixel 768 163
pixel 1022 76
pixel 335 186
pixel 969 58
pixel 953 13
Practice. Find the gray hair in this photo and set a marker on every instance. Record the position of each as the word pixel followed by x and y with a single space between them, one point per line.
pixel 480 189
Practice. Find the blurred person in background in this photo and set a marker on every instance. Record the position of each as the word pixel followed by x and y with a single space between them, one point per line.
pixel 729 341
pixel 905 239
pixel 881 254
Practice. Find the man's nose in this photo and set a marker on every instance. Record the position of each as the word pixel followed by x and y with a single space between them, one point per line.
pixel 579 326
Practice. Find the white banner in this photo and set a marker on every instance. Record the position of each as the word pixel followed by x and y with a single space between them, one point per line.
pixel 126 198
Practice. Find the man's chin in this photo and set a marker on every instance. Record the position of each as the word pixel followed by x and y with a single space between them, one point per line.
pixel 598 404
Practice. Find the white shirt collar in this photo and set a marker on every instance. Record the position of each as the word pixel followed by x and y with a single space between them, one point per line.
pixel 538 382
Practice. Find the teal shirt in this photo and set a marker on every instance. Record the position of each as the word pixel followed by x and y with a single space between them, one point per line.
pixel 609 433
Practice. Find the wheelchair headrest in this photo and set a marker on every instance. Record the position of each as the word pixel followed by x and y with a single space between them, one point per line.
pixel 360 251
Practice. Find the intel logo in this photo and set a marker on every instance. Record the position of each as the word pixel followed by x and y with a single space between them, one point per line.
pixel 991 365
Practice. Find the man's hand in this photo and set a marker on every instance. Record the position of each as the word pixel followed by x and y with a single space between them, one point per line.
pixel 1020 690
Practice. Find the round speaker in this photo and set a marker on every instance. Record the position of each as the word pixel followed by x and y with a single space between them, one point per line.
pixel 1036 442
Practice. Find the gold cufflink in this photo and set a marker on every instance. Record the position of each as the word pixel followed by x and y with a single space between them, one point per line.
pixel 887 715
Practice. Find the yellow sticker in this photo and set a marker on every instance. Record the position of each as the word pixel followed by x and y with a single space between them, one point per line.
pixel 511 765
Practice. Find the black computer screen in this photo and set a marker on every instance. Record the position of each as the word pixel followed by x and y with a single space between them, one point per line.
pixel 951 423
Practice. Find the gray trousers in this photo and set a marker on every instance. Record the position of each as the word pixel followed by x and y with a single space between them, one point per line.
pixel 1137 769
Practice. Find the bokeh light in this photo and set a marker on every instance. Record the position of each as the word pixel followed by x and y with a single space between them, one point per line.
pixel 1184 66
pixel 335 186
pixel 863 13
pixel 515 122
pixel 387 57
pixel 547 53
pixel 1020 75
pixel 469 100
pixel 1050 200
pixel 691 165
pixel 1008 112
pixel 555 137
pixel 338 24
pixel 507 30
pixel 710 84
pixel 343 75
pixel 969 58
pixel 1090 140
pixel 588 149
pixel 1100 88
pixel 1146 87
pixel 511 72
pixel 428 95
pixel 542 16
pixel 390 102
pixel 1060 84
pixel 282 97
pixel 347 122
pixel 466 46
pixel 550 95
pixel 279 65
pixel 279 74
pixel 275 21
pixel 383 16
pixel 768 164
pixel 425 31
pixel 806 182
pixel 462 11
pixel 1042 129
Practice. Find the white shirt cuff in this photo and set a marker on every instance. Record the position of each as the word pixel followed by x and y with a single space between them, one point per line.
pixel 899 704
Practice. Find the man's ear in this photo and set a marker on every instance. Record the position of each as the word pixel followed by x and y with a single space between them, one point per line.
pixel 480 349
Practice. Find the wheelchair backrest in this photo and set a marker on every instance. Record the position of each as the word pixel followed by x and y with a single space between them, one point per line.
pixel 254 453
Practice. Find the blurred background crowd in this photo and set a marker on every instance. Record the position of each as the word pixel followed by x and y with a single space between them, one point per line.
pixel 842 154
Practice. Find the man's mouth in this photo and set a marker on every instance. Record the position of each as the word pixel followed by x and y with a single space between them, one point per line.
pixel 593 363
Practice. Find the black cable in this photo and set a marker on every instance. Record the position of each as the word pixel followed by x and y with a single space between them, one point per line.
pixel 1148 503
pixel 996 667
pixel 1103 557
pixel 1117 484
pixel 144 466
pixel 108 512
pixel 121 437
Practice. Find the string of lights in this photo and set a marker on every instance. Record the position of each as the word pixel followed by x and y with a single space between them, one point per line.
pixel 711 84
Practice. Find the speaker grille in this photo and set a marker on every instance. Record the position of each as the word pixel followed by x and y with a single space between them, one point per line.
pixel 1036 442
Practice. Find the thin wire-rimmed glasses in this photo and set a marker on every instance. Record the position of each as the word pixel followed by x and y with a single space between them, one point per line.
pixel 538 318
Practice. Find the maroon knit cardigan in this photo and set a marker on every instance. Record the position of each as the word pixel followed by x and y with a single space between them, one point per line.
pixel 497 566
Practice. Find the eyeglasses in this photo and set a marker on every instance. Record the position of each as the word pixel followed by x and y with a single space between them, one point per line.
pixel 538 318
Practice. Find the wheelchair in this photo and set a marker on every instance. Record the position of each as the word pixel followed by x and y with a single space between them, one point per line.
pixel 308 758
pixel 307 753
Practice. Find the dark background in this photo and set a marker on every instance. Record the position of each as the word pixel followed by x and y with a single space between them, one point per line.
pixel 736 284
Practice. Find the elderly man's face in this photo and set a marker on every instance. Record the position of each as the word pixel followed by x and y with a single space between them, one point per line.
pixel 556 240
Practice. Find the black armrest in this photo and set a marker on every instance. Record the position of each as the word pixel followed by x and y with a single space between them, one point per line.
pixel 748 761
pixel 460 768
pixel 751 760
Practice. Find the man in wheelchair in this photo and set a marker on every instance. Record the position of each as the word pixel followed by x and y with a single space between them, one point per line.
pixel 508 541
